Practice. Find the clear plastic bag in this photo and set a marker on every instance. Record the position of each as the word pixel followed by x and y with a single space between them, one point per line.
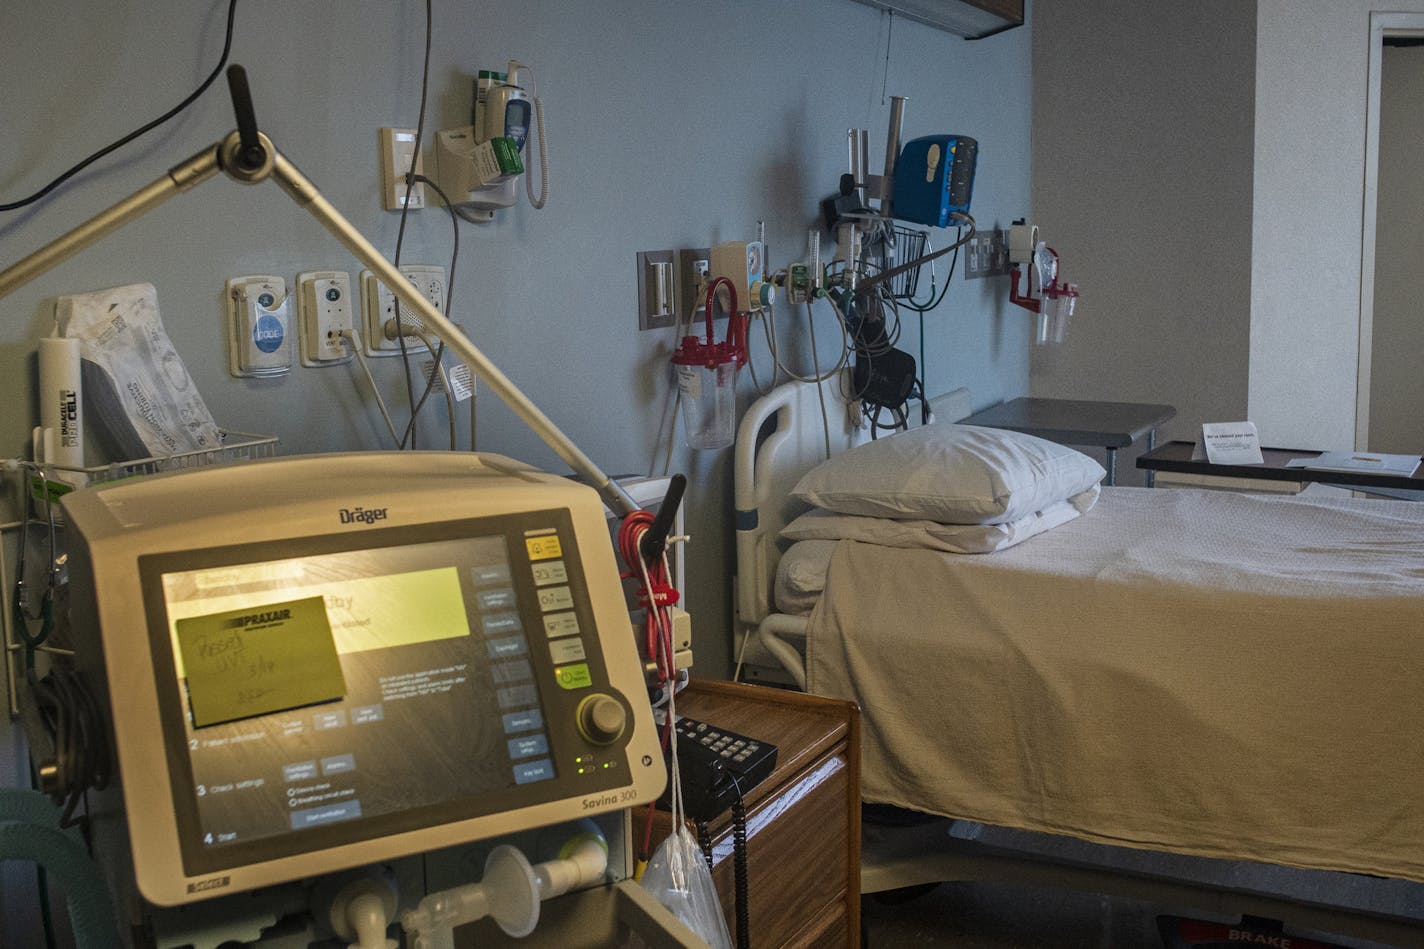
pixel 678 878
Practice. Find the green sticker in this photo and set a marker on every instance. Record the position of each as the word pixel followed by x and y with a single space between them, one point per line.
pixel 250 662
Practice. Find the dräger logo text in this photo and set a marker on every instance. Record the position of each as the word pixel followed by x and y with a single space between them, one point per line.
pixel 212 883
pixel 352 515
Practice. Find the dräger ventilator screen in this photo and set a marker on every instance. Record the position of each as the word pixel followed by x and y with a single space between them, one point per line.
pixel 352 687
pixel 454 667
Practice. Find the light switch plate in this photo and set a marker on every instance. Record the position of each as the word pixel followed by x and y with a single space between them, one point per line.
pixel 657 289
pixel 397 147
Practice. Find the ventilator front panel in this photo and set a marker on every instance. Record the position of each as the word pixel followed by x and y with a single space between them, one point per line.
pixel 352 687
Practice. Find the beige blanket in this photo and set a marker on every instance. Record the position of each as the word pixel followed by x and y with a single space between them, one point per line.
pixel 1200 672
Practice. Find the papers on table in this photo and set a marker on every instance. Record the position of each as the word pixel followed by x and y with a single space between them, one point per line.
pixel 1371 462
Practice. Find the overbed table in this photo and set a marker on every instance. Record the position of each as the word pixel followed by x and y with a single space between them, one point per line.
pixel 1108 425
pixel 1177 456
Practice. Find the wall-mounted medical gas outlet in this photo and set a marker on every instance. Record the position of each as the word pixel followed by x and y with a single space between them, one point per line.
pixel 987 255
pixel 799 285
pixel 397 150
pixel 741 262
pixel 657 289
pixel 378 306
pixel 324 311
pixel 693 266
pixel 259 324
pixel 1023 240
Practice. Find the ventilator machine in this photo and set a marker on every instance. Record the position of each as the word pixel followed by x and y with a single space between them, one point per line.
pixel 334 679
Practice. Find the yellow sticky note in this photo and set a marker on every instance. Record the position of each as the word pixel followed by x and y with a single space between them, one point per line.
pixel 248 662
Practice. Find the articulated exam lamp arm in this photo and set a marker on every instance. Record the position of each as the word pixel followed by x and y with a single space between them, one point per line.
pixel 249 156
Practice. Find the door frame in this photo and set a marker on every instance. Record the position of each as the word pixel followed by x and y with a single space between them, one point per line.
pixel 1381 25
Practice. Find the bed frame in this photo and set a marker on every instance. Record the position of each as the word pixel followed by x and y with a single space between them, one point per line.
pixel 780 438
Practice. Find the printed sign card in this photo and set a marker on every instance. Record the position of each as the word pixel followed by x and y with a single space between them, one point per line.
pixel 1229 443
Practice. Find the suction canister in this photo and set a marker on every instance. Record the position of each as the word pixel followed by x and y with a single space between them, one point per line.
pixel 707 376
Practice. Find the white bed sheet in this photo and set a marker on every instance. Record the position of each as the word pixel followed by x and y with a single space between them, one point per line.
pixel 1202 672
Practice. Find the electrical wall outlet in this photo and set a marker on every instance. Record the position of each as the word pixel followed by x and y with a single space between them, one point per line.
pixel 378 306
pixel 986 255
pixel 397 150
pixel 324 311
pixel 657 290
pixel 693 266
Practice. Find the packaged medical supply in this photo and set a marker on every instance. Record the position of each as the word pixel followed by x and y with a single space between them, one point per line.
pixel 134 379
pixel 497 160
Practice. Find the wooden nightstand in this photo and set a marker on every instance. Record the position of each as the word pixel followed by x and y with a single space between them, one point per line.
pixel 803 822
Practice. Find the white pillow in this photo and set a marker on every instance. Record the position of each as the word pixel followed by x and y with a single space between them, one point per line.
pixel 801 576
pixel 952 538
pixel 953 474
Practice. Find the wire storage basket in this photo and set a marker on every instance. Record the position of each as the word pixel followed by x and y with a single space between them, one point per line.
pixel 45 484
pixel 909 245
pixel 236 446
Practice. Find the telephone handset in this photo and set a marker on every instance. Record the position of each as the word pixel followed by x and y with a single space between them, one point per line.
pixel 717 766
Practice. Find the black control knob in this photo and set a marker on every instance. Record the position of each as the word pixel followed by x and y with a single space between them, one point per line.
pixel 601 719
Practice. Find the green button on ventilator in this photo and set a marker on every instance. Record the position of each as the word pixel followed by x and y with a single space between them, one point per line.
pixel 575 676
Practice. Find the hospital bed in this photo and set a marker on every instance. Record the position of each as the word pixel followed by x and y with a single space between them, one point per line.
pixel 1172 680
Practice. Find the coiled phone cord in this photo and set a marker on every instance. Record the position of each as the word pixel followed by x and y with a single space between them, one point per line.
pixel 740 887
pixel 739 867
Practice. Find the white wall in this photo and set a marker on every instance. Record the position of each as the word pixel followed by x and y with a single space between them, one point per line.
pixel 669 125
pixel 1396 418
pixel 1142 138
pixel 667 135
pixel 1312 62
pixel 1201 170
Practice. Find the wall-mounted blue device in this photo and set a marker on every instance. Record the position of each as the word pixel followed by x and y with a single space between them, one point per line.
pixel 934 178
